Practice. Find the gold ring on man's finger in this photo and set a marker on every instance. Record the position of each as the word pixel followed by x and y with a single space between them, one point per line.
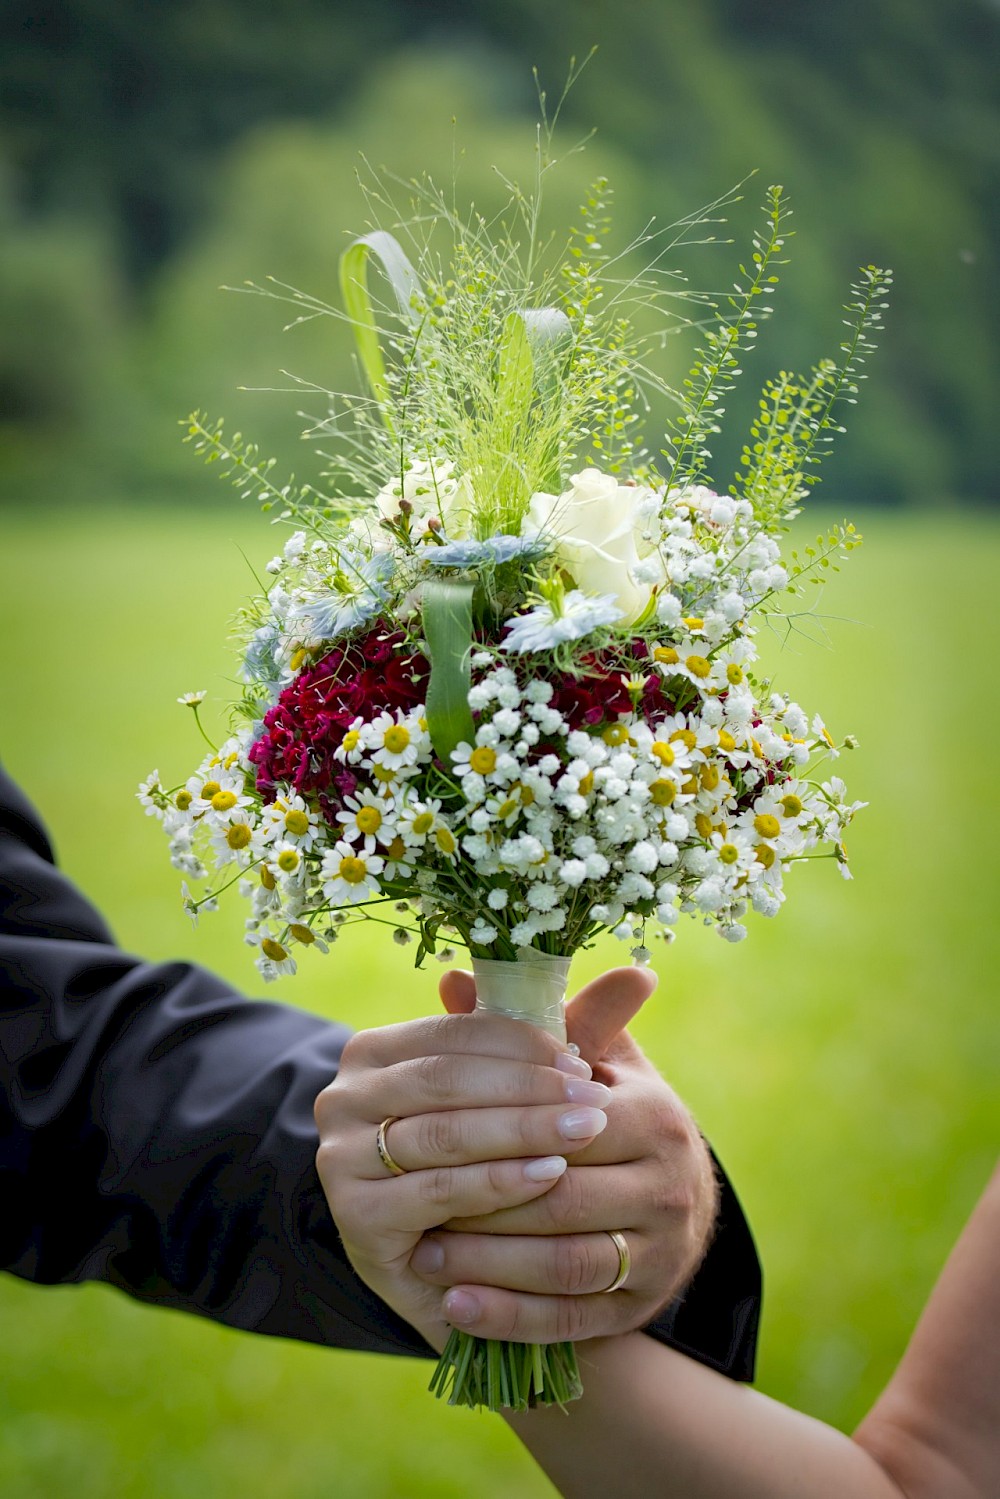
pixel 624 1261
pixel 383 1150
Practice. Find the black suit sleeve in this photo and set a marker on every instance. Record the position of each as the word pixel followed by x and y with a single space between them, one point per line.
pixel 156 1132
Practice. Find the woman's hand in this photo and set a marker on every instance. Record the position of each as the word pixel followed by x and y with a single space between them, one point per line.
pixel 485 1112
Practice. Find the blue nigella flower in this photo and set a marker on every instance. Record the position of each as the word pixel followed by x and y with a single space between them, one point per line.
pixel 495 549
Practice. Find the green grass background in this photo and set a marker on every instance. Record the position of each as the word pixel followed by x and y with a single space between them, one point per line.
pixel 843 1060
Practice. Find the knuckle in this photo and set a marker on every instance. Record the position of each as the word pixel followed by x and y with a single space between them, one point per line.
pixel 571 1319
pixel 526 1126
pixel 510 1321
pixel 498 1179
pixel 438 1135
pixel 354 1051
pixel 669 1123
pixel 566 1202
pixel 436 1186
pixel 575 1265
pixel 438 1077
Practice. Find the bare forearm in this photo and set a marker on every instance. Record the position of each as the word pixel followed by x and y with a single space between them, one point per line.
pixel 942 1405
pixel 685 1432
pixel 653 1422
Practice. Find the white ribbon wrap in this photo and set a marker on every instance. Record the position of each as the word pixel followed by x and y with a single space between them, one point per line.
pixel 532 989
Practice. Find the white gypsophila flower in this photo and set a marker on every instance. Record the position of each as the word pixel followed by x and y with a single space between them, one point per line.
pixel 482 933
pixel 497 899
pixel 542 628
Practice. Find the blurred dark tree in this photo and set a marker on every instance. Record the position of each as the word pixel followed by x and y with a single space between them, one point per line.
pixel 119 122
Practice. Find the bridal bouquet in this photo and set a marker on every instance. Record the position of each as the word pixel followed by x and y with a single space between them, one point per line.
pixel 500 685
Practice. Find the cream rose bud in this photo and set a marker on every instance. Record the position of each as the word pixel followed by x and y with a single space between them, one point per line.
pixel 598 524
pixel 433 491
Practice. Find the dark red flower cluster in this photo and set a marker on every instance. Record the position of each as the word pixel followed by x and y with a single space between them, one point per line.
pixel 602 693
pixel 314 712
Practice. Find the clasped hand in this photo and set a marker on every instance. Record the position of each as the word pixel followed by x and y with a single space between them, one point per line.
pixel 518 1159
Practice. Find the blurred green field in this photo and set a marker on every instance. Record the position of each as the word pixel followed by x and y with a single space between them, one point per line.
pixel 843 1061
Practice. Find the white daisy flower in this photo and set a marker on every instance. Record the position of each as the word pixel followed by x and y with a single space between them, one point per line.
pixel 350 875
pixel 368 818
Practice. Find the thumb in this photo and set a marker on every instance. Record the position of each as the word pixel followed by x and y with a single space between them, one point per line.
pixel 604 1007
pixel 457 990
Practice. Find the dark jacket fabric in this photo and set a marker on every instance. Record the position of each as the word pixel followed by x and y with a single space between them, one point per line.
pixel 156 1132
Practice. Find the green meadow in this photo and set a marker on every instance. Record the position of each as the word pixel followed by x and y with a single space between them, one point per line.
pixel 844 1060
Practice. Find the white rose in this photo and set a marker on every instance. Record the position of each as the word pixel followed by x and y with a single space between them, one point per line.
pixel 433 492
pixel 598 524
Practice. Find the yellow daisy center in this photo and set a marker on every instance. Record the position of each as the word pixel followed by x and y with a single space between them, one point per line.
pixel 384 774
pixel 734 674
pixel 703 823
pixel 445 841
pixel 666 655
pixel 223 801
pixel 352 870
pixel 586 783
pixel 699 666
pixel 396 739
pixel 296 822
pixel 483 760
pixel 662 793
pixel 791 804
pixel 662 752
pixel 397 848
pixel 351 741
pixel 183 800
pixel 423 822
pixel 694 621
pixel 726 741
pixel 729 853
pixel 508 808
pixel 273 950
pixel 266 877
pixel 615 733
pixel 302 934
pixel 710 777
pixel 238 835
pixel 685 737
pixel 298 657
pixel 210 789
pixel 288 860
pixel 368 820
pixel 766 856
pixel 690 787
pixel 766 825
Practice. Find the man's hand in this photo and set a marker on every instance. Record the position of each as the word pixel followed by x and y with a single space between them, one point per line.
pixel 535 1272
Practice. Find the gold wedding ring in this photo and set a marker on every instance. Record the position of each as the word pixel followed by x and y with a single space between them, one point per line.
pixel 624 1261
pixel 386 1158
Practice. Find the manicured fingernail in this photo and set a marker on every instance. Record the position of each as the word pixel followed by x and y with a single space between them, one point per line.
pixel 579 1124
pixel 427 1258
pixel 461 1307
pixel 582 1090
pixel 567 1062
pixel 545 1169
